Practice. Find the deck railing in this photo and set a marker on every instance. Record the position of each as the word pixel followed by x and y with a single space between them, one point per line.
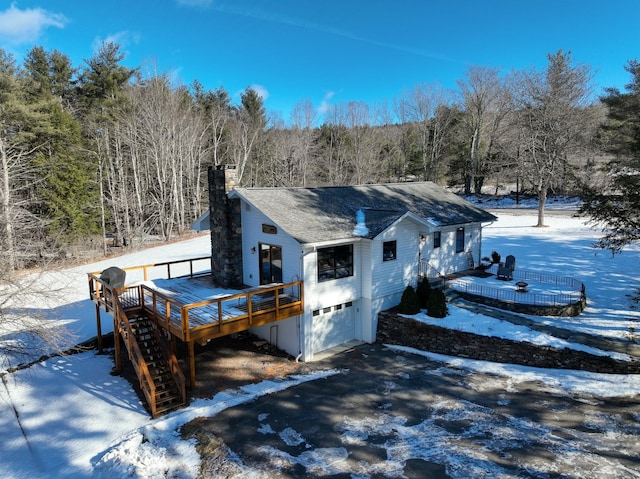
pixel 182 319
pixel 100 291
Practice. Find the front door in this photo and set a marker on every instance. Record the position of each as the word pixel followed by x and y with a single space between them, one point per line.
pixel 270 264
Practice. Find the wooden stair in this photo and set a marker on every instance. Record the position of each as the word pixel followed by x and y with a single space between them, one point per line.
pixel 167 393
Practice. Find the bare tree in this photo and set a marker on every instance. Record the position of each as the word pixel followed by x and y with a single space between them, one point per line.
pixel 20 238
pixel 279 165
pixel 363 143
pixel 486 102
pixel 552 107
pixel 25 333
pixel 428 107
pixel 333 165
pixel 303 121
pixel 28 331
pixel 248 123
pixel 166 144
pixel 392 161
pixel 152 152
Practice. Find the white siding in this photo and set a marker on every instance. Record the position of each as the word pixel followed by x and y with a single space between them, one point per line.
pixel 366 323
pixel 252 236
pixel 445 259
pixel 323 297
pixel 390 278
pixel 284 334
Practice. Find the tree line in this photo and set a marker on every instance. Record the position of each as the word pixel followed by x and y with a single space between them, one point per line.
pixel 104 152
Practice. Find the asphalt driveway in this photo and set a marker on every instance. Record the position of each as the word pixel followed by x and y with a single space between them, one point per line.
pixel 392 414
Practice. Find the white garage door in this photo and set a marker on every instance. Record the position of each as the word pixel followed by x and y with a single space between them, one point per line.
pixel 333 326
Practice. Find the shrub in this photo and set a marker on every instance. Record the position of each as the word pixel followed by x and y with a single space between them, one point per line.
pixel 409 304
pixel 423 291
pixel 437 304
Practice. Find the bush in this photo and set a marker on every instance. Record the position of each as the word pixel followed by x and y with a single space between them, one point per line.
pixel 437 304
pixel 423 291
pixel 409 304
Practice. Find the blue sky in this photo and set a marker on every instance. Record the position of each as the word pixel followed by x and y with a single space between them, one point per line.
pixel 330 51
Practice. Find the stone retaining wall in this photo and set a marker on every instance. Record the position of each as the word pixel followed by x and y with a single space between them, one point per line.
pixel 396 329
pixel 523 308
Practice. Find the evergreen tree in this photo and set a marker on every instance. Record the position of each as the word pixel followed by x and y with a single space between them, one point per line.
pixel 67 192
pixel 103 77
pixel 437 304
pixel 36 68
pixel 616 204
pixel 424 292
pixel 409 303
pixel 253 107
pixel 65 195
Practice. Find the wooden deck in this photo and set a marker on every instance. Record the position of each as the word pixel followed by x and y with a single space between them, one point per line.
pixel 181 309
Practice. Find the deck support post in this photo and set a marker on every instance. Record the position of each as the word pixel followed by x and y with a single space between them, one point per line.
pixel 98 327
pixel 192 364
pixel 116 343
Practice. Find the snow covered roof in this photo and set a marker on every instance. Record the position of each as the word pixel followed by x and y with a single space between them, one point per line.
pixel 313 215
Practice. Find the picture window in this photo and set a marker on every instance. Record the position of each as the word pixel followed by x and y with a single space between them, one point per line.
pixel 335 262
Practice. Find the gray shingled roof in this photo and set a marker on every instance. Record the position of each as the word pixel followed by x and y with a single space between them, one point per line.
pixel 313 215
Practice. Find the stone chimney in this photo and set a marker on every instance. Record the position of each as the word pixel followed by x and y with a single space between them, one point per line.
pixel 226 228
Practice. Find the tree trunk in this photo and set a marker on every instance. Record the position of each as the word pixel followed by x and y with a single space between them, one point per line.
pixel 473 160
pixel 5 208
pixel 542 199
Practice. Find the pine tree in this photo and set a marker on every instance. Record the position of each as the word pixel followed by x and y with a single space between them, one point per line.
pixel 409 303
pixel 66 193
pixel 616 204
pixel 424 292
pixel 437 304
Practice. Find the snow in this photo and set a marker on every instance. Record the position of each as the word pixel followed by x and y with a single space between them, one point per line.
pixel 601 385
pixel 69 417
pixel 360 228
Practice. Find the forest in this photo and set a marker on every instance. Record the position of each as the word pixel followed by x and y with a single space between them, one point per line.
pixel 102 155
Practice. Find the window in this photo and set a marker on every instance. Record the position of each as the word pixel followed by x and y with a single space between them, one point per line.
pixel 437 237
pixel 335 262
pixel 270 264
pixel 388 250
pixel 459 240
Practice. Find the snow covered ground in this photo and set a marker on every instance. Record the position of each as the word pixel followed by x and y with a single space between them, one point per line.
pixel 69 417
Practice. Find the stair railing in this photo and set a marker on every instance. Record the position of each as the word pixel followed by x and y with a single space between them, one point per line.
pixel 172 362
pixel 135 355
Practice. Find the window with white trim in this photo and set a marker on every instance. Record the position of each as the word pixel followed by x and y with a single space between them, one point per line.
pixel 460 240
pixel 437 239
pixel 389 251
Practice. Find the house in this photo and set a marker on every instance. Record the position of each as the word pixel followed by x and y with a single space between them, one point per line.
pixel 355 248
